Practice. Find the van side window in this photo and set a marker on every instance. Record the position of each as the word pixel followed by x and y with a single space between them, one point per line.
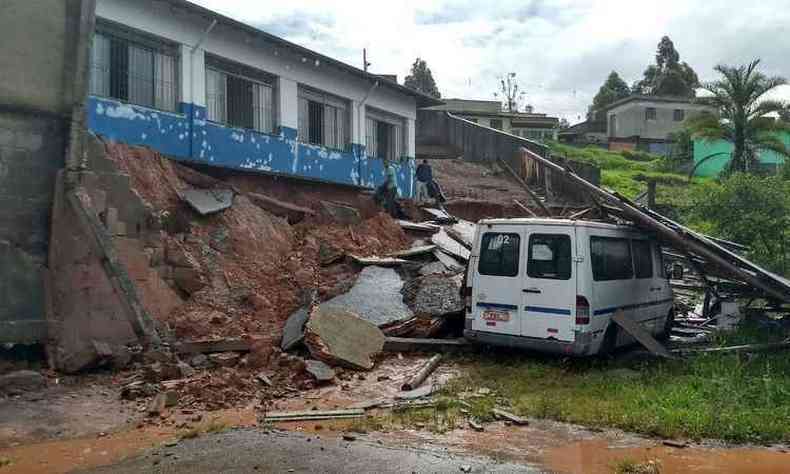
pixel 643 258
pixel 499 254
pixel 549 256
pixel 611 259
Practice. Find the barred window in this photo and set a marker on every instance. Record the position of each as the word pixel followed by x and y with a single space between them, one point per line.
pixel 323 119
pixel 238 101
pixel 385 136
pixel 136 72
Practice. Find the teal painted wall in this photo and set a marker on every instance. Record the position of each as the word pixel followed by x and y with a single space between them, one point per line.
pixel 714 166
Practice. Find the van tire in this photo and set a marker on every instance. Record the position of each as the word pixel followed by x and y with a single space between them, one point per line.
pixel 670 321
pixel 609 343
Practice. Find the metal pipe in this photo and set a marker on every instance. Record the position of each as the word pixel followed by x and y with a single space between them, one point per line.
pixel 360 125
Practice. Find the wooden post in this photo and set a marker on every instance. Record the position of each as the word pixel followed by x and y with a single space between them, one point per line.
pixel 651 194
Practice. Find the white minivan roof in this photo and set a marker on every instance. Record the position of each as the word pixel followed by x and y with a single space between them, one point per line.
pixel 557 222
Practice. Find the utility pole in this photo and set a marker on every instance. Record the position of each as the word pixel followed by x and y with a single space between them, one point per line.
pixel 365 62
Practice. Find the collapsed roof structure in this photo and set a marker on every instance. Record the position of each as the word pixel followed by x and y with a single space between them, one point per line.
pixel 712 258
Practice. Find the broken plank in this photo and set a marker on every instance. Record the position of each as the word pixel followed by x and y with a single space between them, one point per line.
pixel 378 261
pixel 440 215
pixel 476 426
pixel 499 413
pixel 315 415
pixel 458 237
pixel 525 186
pixel 641 335
pixel 210 346
pixel 524 208
pixel 413 252
pixel 290 211
pixel 419 227
pixel 413 344
pixel 580 214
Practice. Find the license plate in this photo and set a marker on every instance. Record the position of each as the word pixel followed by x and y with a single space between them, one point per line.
pixel 502 316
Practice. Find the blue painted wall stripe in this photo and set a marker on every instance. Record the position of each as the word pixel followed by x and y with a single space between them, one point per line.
pixel 189 136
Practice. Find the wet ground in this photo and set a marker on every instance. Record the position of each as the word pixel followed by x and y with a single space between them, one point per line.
pixel 80 427
pixel 256 450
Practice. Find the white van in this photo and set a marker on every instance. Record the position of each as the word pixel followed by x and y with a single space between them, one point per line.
pixel 554 284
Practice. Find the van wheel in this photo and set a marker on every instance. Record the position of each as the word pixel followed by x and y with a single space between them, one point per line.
pixel 670 321
pixel 609 343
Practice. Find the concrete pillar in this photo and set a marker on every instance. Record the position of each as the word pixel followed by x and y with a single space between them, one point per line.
pixel 357 123
pixel 410 136
pixel 193 66
pixel 288 103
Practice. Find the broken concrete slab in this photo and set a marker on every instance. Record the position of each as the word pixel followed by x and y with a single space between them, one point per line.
pixel 225 359
pixel 413 252
pixel 340 337
pixel 21 381
pixel 439 215
pixel 433 268
pixel 451 263
pixel 293 331
pixel 450 246
pixel 342 213
pixel 319 370
pixel 209 201
pixel 419 226
pixel 293 213
pixel 434 295
pixel 375 297
pixel 328 254
pixel 379 261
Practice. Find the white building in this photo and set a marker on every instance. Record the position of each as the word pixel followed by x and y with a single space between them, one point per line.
pixel 201 87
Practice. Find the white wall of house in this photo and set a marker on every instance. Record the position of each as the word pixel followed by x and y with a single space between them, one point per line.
pixel 291 69
pixel 629 119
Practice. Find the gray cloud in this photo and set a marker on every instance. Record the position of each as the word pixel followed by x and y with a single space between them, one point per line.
pixel 299 25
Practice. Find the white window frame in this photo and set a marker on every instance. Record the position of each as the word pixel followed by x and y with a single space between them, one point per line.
pixel 335 116
pixel 398 131
pixel 147 57
pixel 217 100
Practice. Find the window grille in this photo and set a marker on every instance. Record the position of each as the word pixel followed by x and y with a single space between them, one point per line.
pixel 323 119
pixel 238 101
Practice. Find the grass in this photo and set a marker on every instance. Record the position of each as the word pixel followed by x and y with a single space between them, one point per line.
pixel 628 171
pixel 720 396
pixel 5 462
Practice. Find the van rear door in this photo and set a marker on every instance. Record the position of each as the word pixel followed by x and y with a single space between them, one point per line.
pixel 498 273
pixel 549 292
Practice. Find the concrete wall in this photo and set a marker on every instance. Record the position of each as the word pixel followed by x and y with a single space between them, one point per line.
pixel 39 44
pixel 188 136
pixel 630 119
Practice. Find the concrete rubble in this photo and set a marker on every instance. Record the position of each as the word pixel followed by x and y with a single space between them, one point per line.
pixel 339 337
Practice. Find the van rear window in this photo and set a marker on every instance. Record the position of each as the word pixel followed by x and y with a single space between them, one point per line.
pixel 549 256
pixel 643 258
pixel 499 254
pixel 611 259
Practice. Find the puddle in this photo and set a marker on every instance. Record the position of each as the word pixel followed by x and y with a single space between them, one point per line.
pixel 597 457
pixel 375 297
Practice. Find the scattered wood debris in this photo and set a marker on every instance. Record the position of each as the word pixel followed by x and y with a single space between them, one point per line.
pixel 411 344
pixel 378 261
pixel 420 227
pixel 641 335
pixel 475 425
pixel 210 346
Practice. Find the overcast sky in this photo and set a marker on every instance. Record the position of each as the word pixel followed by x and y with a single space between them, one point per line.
pixel 560 50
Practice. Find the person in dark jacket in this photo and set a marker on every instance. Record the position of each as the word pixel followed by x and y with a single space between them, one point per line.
pixel 424 179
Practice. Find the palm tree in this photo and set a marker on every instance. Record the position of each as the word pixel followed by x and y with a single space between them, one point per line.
pixel 743 117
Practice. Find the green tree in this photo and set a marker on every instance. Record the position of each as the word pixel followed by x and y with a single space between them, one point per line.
pixel 751 210
pixel 743 116
pixel 612 90
pixel 668 76
pixel 421 79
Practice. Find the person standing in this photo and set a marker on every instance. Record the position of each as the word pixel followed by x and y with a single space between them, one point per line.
pixel 424 179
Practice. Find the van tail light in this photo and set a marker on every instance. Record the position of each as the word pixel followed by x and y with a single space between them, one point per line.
pixel 467 294
pixel 582 310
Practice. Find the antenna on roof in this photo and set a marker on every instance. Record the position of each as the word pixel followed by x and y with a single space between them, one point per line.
pixel 365 62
